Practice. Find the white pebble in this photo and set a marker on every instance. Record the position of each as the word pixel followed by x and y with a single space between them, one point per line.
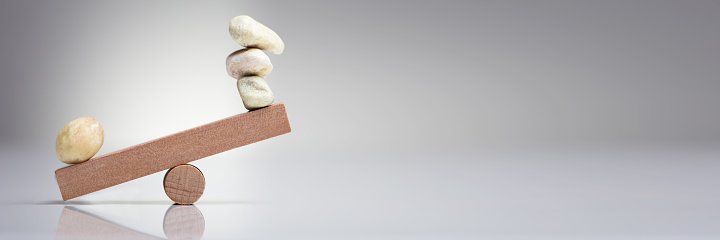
pixel 248 62
pixel 250 33
pixel 255 92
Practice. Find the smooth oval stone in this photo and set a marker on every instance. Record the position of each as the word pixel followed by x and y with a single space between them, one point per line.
pixel 255 92
pixel 248 62
pixel 252 34
pixel 79 140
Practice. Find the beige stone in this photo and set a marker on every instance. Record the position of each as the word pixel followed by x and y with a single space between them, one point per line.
pixel 255 92
pixel 252 34
pixel 248 62
pixel 79 140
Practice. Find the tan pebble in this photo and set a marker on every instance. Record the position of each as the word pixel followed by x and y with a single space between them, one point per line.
pixel 79 140
pixel 250 33
pixel 248 62
pixel 255 92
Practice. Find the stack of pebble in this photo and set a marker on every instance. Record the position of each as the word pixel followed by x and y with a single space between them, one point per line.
pixel 81 139
pixel 250 65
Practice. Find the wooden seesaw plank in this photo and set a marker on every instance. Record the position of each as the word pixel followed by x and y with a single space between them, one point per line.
pixel 167 152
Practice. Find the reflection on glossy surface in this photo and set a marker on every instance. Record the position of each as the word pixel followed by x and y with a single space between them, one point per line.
pixel 77 224
pixel 180 222
pixel 183 222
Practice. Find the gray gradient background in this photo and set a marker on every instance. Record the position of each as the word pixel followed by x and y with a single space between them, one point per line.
pixel 411 120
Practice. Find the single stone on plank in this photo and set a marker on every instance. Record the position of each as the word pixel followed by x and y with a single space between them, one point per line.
pixel 79 140
pixel 252 34
pixel 255 92
pixel 248 62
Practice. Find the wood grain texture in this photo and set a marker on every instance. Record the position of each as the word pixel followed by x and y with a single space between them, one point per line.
pixel 184 184
pixel 167 152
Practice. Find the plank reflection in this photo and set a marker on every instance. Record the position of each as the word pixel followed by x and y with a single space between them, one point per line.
pixel 180 222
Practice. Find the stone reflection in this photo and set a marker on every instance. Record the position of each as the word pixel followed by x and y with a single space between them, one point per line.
pixel 181 222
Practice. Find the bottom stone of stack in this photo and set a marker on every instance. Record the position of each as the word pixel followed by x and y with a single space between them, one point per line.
pixel 255 92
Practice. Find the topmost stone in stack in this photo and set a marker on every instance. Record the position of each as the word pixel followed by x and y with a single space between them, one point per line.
pixel 250 65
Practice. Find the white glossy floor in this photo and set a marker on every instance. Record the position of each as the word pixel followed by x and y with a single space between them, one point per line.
pixel 650 193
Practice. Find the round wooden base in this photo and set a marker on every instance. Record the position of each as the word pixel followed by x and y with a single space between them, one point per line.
pixel 184 184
